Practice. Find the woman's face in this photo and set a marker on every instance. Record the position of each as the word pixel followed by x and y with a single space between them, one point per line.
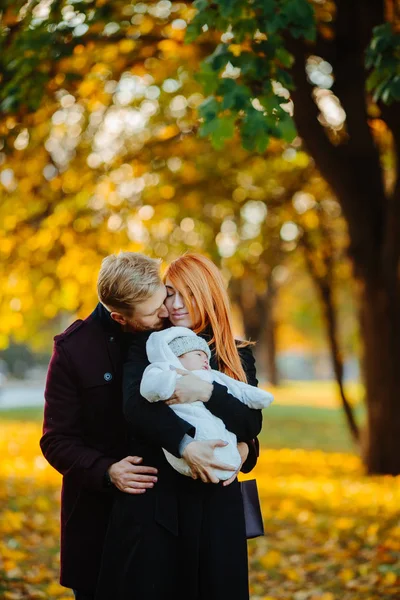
pixel 177 311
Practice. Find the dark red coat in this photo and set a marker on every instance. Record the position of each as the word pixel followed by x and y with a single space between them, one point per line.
pixel 84 432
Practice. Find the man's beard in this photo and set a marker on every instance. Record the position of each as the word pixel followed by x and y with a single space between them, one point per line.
pixel 137 326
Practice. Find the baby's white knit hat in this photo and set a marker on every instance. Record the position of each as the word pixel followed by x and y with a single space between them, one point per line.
pixel 181 345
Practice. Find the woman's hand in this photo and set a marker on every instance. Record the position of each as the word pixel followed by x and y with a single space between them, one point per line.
pixel 200 458
pixel 190 388
pixel 243 450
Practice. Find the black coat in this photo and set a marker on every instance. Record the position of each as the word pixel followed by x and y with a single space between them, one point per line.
pixel 84 432
pixel 183 539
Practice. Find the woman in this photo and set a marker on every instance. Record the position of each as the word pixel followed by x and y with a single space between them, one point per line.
pixel 185 538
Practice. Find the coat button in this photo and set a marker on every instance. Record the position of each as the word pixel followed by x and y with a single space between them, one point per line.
pixel 107 376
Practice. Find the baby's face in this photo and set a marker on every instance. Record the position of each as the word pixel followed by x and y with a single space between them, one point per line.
pixel 196 359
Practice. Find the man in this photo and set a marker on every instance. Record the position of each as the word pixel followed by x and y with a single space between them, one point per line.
pixel 84 433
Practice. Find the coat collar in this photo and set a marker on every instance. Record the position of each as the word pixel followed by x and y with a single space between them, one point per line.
pixel 102 315
pixel 115 338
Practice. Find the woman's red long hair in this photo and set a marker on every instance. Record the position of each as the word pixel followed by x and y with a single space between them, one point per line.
pixel 200 282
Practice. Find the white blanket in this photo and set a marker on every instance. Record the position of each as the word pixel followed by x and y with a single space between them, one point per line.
pixel 159 383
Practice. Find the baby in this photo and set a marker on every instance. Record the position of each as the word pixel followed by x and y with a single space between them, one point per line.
pixel 177 348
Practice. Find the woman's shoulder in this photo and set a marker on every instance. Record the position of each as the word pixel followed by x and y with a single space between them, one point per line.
pixel 245 350
pixel 248 361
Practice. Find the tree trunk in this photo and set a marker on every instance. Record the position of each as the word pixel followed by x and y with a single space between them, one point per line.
pixel 266 352
pixel 354 171
pixel 337 359
pixel 380 314
pixel 324 286
pixel 259 325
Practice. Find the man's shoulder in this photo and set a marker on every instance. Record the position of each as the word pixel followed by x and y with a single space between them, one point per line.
pixel 75 330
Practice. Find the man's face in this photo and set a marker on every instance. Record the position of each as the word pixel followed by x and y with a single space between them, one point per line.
pixel 148 315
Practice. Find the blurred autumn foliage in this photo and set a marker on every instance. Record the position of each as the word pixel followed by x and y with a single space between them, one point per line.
pixel 100 154
pixel 99 116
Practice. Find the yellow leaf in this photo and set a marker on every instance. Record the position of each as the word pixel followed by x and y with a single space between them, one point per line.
pixel 55 589
pixel 344 523
pixel 390 578
pixel 236 49
pixel 43 504
pixel 126 46
pixel 167 192
pixel 293 575
pixel 346 575
pixel 87 87
pixel 271 559
pixel 12 521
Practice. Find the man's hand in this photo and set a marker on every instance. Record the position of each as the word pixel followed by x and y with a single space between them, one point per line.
pixel 130 477
pixel 201 460
pixel 190 388
pixel 244 452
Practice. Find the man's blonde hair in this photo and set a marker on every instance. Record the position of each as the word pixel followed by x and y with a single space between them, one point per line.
pixel 126 279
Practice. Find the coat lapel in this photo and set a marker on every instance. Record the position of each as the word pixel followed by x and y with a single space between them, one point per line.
pixel 112 337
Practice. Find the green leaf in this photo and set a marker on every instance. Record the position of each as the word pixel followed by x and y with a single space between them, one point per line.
pixel 209 109
pixel 271 102
pixel 200 5
pixel 395 88
pixel 208 78
pixel 230 8
pixel 274 23
pixel 298 11
pixel 266 7
pixel 193 31
pixel 220 130
pixel 284 78
pixel 219 58
pixel 373 80
pixel 204 16
pixel 235 96
pixel 379 90
pixel 242 29
pixel 287 128
pixel 255 131
pixel 300 18
pixel 386 95
pixel 284 57
pixel 249 64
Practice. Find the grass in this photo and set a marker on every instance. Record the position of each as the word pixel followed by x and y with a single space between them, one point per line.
pixel 304 415
pixel 306 427
pixel 319 394
pixel 24 415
